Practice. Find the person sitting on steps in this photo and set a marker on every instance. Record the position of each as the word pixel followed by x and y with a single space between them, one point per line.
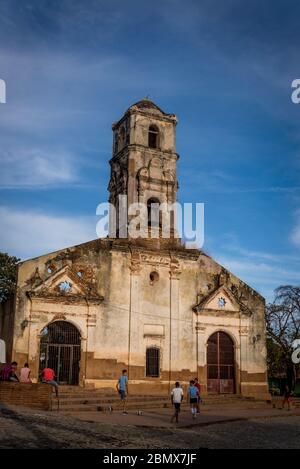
pixel 48 376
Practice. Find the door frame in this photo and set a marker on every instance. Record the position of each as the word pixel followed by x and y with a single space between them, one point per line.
pixel 220 388
pixel 45 346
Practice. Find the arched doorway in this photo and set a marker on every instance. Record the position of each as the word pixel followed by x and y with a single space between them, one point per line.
pixel 220 364
pixel 60 350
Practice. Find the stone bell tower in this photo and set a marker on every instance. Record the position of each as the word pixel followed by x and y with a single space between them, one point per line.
pixel 143 165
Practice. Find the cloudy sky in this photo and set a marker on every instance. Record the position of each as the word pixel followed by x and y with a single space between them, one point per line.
pixel 223 67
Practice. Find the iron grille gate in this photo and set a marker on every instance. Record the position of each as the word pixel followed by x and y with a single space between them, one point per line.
pixel 220 364
pixel 60 350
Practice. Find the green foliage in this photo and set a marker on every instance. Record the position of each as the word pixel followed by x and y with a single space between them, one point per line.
pixel 8 275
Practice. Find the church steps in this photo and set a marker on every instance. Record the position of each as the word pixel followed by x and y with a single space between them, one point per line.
pixel 97 400
pixel 81 400
pixel 104 407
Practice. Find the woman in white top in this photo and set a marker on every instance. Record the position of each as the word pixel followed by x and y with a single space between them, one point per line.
pixel 25 374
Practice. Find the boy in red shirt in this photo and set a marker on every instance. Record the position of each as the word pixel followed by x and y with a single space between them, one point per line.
pixel 48 376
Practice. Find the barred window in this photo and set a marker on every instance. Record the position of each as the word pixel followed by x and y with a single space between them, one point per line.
pixel 152 362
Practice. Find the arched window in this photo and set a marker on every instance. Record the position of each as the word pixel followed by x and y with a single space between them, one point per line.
pixel 153 209
pixel 153 136
pixel 152 362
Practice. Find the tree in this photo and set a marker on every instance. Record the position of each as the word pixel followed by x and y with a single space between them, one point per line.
pixel 8 275
pixel 283 328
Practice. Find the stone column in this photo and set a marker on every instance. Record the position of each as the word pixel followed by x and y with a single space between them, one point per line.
pixel 174 332
pixel 134 311
pixel 243 365
pixel 201 356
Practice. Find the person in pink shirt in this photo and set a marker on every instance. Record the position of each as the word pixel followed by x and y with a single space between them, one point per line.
pixel 25 374
pixel 48 376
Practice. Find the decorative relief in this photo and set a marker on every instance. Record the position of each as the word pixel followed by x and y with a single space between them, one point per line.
pixel 35 279
pixel 135 266
pixel 59 317
pixel 175 269
pixel 86 272
pixel 118 178
pixel 223 278
pixel 154 259
pixel 66 285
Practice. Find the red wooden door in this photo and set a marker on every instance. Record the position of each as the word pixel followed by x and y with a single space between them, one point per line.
pixel 220 364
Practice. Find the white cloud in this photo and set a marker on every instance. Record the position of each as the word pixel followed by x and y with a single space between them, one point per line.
pixel 295 236
pixel 35 167
pixel 28 234
pixel 256 270
pixel 262 270
pixel 264 277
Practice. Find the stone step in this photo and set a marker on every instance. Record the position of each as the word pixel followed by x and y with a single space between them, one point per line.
pixel 94 404
pixel 86 396
pixel 96 392
pixel 109 397
pixel 130 406
pixel 97 400
pixel 105 407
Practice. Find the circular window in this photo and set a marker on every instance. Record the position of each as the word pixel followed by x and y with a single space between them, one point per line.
pixel 65 287
pixel 153 277
pixel 221 302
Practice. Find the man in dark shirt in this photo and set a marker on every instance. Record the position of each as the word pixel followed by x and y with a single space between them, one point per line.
pixel 8 373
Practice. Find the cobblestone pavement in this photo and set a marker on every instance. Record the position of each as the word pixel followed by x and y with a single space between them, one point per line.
pixel 23 428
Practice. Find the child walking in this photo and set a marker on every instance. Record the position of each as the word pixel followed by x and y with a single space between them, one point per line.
pixel 193 394
pixel 176 398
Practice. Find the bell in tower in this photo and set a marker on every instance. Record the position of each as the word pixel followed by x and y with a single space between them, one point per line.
pixel 143 166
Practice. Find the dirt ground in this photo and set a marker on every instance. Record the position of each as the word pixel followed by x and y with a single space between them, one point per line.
pixel 24 428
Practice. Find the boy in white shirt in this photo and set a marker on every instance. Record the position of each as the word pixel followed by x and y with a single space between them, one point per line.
pixel 176 398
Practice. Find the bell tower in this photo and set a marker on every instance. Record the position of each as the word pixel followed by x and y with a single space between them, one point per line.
pixel 143 165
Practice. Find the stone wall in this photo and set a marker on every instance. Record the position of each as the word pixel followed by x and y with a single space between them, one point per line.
pixel 36 396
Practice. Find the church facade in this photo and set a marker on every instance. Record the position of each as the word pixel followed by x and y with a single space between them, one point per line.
pixel 161 311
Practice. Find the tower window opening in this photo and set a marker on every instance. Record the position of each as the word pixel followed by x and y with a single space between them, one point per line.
pixel 154 216
pixel 153 136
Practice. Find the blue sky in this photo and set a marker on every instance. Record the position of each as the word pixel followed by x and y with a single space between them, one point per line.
pixel 223 67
